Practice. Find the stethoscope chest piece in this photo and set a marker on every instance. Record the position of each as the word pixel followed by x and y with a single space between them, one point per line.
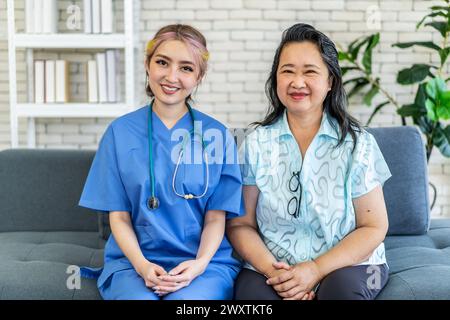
pixel 152 203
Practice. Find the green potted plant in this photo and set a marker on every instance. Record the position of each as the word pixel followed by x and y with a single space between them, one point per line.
pixel 432 102
pixel 431 105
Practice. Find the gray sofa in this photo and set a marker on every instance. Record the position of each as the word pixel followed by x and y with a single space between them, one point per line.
pixel 43 231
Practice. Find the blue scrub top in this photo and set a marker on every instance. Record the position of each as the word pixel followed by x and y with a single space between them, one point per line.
pixel 119 181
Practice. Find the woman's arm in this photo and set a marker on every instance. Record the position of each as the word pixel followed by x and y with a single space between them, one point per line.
pixel 125 237
pixel 212 235
pixel 123 232
pixel 243 235
pixel 358 246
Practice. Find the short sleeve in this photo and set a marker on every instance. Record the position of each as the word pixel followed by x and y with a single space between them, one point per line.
pixel 227 195
pixel 369 169
pixel 104 189
pixel 248 160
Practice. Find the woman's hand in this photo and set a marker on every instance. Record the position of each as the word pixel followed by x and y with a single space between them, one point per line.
pixel 181 276
pixel 150 272
pixel 295 282
pixel 279 268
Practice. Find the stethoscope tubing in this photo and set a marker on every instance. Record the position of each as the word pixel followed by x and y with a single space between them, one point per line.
pixel 153 202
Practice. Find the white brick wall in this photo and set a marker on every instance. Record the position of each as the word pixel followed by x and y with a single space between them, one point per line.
pixel 242 36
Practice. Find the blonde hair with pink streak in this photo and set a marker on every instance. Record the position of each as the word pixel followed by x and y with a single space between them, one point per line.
pixel 194 40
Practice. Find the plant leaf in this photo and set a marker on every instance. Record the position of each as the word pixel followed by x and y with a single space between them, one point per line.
pixel 421 96
pixel 434 8
pixel 432 15
pixel 411 110
pixel 445 97
pixel 377 109
pixel 443 108
pixel 367 57
pixel 431 110
pixel 443 113
pixel 434 87
pixel 357 87
pixel 416 73
pixel 369 95
pixel 358 79
pixel 443 53
pixel 441 139
pixel 424 123
pixel 439 26
pixel 343 56
pixel 355 50
pixel 427 44
pixel 431 89
pixel 352 44
pixel 344 70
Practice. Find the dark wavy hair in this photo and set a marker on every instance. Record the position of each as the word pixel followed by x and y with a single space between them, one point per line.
pixel 335 103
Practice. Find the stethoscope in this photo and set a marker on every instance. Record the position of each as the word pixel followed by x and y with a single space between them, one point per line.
pixel 153 201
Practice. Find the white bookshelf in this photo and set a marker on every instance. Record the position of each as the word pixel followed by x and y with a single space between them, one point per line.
pixel 90 41
pixel 126 41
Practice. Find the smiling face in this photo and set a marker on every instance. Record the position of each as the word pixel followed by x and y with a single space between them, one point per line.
pixel 172 73
pixel 302 78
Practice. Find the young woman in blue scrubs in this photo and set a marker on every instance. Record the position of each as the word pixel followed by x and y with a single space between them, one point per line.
pixel 315 213
pixel 167 199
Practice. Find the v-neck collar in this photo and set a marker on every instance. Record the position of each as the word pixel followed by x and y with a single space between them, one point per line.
pixel 156 118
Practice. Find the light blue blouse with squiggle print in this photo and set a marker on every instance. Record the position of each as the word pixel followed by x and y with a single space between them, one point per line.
pixel 330 178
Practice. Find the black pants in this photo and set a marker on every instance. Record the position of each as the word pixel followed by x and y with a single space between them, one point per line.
pixel 362 282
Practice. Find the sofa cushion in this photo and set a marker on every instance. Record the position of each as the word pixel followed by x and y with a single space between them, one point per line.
pixel 406 192
pixel 419 266
pixel 40 190
pixel 34 265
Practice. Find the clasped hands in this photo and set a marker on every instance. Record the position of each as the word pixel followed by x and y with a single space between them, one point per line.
pixel 290 282
pixel 163 283
pixel 294 282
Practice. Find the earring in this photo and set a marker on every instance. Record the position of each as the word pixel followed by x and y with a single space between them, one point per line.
pixel 146 81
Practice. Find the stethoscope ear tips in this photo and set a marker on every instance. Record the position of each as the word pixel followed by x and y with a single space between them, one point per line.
pixel 152 203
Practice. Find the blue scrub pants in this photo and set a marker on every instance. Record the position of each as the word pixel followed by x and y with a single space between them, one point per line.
pixel 129 285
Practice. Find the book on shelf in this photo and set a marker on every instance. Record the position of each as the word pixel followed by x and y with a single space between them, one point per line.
pixel 38 11
pixel 29 16
pixel 41 16
pixel 111 74
pixel 50 16
pixel 102 78
pixel 92 81
pixel 50 85
pixel 96 23
pixel 62 81
pixel 87 15
pixel 98 16
pixel 39 81
pixel 103 81
pixel 51 81
pixel 106 8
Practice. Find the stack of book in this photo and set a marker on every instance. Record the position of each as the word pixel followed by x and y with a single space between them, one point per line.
pixel 103 77
pixel 51 81
pixel 41 16
pixel 98 16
